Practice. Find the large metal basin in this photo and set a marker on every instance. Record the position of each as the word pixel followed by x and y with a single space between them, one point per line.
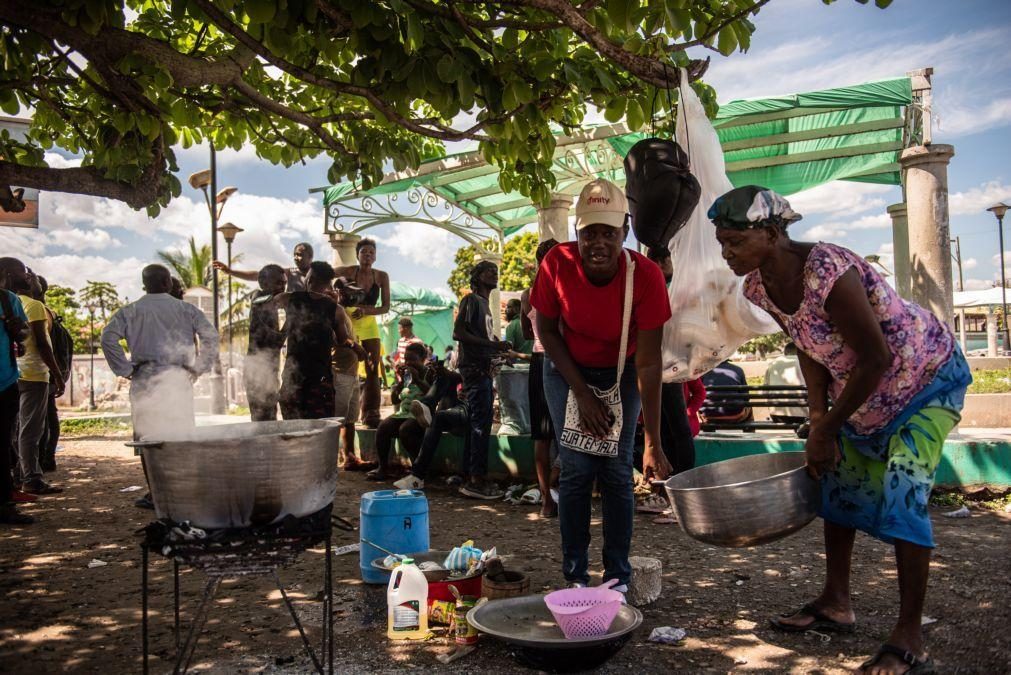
pixel 526 624
pixel 745 501
pixel 237 475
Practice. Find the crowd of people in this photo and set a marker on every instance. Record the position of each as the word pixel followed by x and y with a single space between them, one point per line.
pixel 35 356
pixel 591 328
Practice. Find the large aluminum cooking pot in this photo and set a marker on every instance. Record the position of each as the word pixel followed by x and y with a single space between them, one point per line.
pixel 237 475
pixel 745 501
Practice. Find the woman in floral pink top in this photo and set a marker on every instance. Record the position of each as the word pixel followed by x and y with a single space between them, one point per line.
pixel 896 381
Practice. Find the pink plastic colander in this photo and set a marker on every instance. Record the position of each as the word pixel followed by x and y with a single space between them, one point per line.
pixel 585 612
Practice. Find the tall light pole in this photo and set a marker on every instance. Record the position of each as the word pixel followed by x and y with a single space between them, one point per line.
pixel 957 257
pixel 228 231
pixel 999 209
pixel 202 180
pixel 91 350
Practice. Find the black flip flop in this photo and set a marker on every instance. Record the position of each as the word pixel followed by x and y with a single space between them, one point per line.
pixel 821 622
pixel 916 666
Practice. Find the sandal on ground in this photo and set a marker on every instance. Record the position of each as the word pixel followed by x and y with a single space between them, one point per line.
pixel 377 475
pixel 652 504
pixel 917 666
pixel 820 622
pixel 549 512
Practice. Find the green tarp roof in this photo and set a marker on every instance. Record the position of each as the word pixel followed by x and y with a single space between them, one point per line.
pixel 787 143
pixel 418 298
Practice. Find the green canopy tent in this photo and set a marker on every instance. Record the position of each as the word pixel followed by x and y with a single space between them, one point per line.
pixel 787 143
pixel 431 312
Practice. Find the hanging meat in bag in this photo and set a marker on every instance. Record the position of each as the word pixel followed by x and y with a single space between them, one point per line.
pixel 661 190
pixel 712 318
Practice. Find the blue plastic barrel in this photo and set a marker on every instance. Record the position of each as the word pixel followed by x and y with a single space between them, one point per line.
pixel 397 520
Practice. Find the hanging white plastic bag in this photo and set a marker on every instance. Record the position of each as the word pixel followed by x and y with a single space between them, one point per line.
pixel 711 316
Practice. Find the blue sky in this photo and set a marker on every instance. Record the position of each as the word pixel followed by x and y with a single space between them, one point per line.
pixel 799 45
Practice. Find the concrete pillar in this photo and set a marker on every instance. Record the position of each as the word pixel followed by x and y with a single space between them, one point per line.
pixel 553 220
pixel 991 333
pixel 344 249
pixel 926 174
pixel 900 248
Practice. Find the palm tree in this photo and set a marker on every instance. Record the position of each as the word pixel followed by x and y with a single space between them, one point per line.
pixel 193 269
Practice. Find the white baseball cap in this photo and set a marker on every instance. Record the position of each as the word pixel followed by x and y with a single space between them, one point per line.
pixel 601 201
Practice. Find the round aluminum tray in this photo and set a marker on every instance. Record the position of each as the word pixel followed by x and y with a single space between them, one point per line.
pixel 527 622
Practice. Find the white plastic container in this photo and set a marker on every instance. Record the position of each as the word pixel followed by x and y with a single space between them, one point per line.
pixel 407 603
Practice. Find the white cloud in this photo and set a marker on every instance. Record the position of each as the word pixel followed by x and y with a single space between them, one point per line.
pixel 995 260
pixel 22 243
pixel 76 270
pixel 837 229
pixel 823 232
pixel 970 263
pixel 842 198
pixel 967 69
pixel 976 200
pixel 74 225
pixel 58 161
pixel 82 240
pixel 960 119
pixel 423 244
pixel 978 284
pixel 200 154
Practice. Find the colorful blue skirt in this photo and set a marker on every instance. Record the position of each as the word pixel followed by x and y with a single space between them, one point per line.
pixel 883 482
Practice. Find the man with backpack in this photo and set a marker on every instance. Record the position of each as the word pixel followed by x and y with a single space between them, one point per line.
pixel 63 350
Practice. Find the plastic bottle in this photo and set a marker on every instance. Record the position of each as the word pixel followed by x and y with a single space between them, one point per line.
pixel 407 603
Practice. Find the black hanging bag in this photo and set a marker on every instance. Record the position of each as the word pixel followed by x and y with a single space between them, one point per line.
pixel 661 190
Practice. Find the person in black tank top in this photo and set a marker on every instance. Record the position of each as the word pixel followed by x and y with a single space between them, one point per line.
pixel 314 323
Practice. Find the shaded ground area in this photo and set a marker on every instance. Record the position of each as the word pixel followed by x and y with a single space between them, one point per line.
pixel 57 614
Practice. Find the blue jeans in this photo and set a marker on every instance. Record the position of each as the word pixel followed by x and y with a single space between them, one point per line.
pixel 479 394
pixel 612 474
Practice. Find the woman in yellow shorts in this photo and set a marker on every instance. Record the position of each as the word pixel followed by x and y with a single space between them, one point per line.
pixel 376 285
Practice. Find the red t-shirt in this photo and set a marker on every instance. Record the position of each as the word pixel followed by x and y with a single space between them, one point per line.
pixel 591 315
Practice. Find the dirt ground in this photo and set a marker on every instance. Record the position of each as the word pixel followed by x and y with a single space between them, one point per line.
pixel 59 615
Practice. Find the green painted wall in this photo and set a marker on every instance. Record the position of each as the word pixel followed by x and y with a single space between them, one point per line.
pixel 963 464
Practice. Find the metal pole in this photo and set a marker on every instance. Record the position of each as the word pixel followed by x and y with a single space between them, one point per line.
pixel 91 393
pixel 1003 281
pixel 214 234
pixel 958 260
pixel 228 245
pixel 218 403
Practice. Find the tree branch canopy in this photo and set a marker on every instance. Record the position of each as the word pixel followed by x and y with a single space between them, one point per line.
pixel 367 83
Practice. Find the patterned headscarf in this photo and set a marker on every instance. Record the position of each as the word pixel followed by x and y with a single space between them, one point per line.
pixel 751 206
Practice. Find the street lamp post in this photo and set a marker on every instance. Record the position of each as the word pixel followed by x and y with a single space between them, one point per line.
pixel 91 349
pixel 202 180
pixel 999 209
pixel 228 231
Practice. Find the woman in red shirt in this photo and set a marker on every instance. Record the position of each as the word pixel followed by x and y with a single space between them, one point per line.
pixel 579 296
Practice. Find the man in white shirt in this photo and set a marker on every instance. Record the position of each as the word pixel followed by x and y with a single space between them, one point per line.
pixel 160 332
pixel 785 370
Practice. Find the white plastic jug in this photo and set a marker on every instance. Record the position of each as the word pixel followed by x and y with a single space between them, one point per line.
pixel 407 603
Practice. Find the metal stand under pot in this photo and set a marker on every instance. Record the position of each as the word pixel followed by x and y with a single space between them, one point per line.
pixel 239 552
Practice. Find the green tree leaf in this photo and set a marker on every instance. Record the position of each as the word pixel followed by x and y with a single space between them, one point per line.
pixel 261 11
